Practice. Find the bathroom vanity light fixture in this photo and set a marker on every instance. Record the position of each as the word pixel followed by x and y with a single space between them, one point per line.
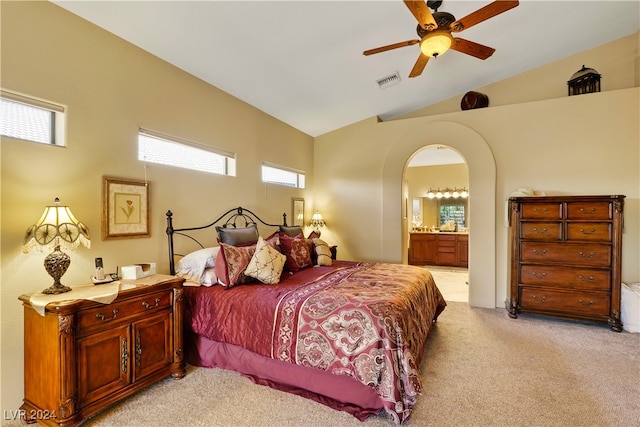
pixel 448 193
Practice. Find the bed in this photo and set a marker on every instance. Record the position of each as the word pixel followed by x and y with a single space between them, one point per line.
pixel 275 307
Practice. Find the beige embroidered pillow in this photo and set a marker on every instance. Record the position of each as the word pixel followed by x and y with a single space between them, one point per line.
pixel 322 251
pixel 266 264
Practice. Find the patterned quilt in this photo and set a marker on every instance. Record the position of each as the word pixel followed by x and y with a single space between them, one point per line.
pixel 369 321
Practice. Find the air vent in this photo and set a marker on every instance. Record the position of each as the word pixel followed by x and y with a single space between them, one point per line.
pixel 390 80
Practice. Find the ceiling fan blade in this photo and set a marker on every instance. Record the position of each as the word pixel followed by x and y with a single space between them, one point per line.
pixel 418 68
pixel 422 13
pixel 472 48
pixel 390 47
pixel 482 14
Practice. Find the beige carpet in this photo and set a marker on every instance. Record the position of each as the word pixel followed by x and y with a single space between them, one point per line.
pixel 481 368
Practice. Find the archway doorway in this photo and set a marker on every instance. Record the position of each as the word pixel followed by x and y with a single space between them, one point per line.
pixel 437 188
pixel 482 203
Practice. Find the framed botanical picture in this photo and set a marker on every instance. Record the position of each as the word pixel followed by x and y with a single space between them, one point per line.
pixel 125 208
pixel 297 211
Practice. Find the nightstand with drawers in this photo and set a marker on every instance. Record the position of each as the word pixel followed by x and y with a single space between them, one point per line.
pixel 82 356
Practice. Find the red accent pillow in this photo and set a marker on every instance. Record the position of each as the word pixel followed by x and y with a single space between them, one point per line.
pixel 298 252
pixel 231 263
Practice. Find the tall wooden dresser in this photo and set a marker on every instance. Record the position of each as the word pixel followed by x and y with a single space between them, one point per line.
pixel 566 257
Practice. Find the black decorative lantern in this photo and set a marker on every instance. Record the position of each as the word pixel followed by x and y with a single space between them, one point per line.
pixel 585 80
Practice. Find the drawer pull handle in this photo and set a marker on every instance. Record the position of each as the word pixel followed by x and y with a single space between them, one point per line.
pixel 583 231
pixel 544 251
pixel 586 303
pixel 149 306
pixel 124 356
pixel 591 254
pixel 106 319
pixel 545 210
pixel 542 299
pixel 543 231
pixel 541 276
pixel 138 351
pixel 590 279
pixel 590 211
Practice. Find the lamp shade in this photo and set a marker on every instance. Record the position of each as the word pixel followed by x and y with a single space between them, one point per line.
pixel 436 43
pixel 317 220
pixel 56 227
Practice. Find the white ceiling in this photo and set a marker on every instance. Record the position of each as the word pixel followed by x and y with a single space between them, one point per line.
pixel 301 61
pixel 436 155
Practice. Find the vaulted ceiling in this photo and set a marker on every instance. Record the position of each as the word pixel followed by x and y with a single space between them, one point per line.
pixel 302 62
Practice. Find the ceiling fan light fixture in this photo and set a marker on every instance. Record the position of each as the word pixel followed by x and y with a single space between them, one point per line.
pixel 436 43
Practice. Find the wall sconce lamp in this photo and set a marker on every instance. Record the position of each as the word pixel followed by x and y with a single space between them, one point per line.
pixel 448 193
pixel 317 221
pixel 56 227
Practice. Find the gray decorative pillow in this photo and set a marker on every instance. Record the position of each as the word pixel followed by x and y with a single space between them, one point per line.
pixel 238 236
pixel 291 231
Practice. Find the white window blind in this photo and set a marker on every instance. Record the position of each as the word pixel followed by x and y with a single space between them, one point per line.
pixel 30 119
pixel 170 151
pixel 282 176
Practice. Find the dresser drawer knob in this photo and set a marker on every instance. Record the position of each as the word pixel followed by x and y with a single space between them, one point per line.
pixel 542 252
pixel 106 319
pixel 590 279
pixel 539 276
pixel 543 231
pixel 583 302
pixel 583 231
pixel 542 299
pixel 590 211
pixel 536 210
pixel 149 306
pixel 591 255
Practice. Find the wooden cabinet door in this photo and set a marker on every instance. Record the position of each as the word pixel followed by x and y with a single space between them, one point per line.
pixel 153 344
pixel 103 364
pixel 422 249
pixel 462 249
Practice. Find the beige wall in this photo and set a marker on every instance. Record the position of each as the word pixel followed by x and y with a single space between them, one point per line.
pixel 110 89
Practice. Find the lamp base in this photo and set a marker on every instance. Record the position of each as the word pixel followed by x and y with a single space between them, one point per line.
pixel 56 264
pixel 56 289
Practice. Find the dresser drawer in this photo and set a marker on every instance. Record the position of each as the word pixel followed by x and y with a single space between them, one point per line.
pixel 119 310
pixel 589 210
pixel 589 231
pixel 588 255
pixel 541 230
pixel 587 304
pixel 566 277
pixel 541 210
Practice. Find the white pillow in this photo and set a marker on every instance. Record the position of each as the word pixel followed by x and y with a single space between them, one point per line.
pixel 209 277
pixel 193 265
pixel 266 264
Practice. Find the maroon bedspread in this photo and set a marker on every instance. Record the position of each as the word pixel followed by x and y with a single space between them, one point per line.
pixel 369 321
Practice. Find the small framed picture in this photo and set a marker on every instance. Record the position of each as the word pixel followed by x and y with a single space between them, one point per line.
pixel 125 208
pixel 297 211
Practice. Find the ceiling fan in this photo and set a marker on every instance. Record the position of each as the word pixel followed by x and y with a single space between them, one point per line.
pixel 434 30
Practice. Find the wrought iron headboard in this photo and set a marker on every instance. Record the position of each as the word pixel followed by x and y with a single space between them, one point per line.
pixel 233 218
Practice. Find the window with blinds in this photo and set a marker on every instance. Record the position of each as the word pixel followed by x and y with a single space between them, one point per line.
pixel 30 119
pixel 282 176
pixel 165 150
